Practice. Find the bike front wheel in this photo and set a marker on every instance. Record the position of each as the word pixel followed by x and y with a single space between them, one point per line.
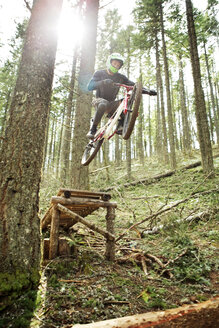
pixel 90 151
pixel 132 112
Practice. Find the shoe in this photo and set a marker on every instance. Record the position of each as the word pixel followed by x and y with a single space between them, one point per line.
pixel 119 127
pixel 119 130
pixel 91 133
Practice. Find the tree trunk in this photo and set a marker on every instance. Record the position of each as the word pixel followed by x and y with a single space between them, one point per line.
pixel 160 88
pixel 22 152
pixel 59 146
pixel 79 174
pixel 216 119
pixel 149 130
pixel 140 146
pixel 65 152
pixel 169 105
pixel 200 107
pixel 117 151
pixel 185 124
pixel 128 158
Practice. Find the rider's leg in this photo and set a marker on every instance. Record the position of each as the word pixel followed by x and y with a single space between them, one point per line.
pixel 113 105
pixel 112 108
pixel 101 108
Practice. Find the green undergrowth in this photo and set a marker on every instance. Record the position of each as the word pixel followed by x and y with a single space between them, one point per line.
pixel 85 287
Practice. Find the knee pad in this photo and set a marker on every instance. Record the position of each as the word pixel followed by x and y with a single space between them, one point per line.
pixel 102 107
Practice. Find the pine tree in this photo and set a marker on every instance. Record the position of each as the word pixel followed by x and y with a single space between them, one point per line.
pixel 200 107
pixel 22 152
pixel 79 174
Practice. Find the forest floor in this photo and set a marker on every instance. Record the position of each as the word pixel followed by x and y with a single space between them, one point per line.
pixel 177 265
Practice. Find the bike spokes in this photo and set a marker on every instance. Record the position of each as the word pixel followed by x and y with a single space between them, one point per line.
pixel 132 112
pixel 90 151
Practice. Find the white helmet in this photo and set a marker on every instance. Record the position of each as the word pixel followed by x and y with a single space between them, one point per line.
pixel 111 57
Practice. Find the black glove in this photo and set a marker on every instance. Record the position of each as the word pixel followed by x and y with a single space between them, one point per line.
pixel 153 93
pixel 149 92
pixel 107 82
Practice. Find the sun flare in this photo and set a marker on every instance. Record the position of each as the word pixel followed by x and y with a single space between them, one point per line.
pixel 70 29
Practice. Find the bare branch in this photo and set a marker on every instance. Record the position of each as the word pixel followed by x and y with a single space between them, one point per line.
pixel 28 5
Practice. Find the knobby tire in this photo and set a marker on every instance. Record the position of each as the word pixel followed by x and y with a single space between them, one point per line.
pixel 132 114
pixel 90 151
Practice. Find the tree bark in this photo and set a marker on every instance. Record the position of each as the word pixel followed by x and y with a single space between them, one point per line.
pixel 65 152
pixel 216 119
pixel 139 144
pixel 200 107
pixel 160 88
pixel 80 177
pixel 184 112
pixel 110 243
pixel 169 104
pixel 22 152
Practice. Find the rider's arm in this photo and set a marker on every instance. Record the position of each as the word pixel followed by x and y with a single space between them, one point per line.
pixel 95 81
pixel 147 91
pixel 126 81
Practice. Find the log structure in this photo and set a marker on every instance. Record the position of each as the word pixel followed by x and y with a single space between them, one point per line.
pixel 71 206
pixel 202 315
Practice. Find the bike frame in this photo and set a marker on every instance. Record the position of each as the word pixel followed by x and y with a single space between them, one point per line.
pixel 108 131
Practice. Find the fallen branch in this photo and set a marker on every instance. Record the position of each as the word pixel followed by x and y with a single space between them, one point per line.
pixel 176 258
pixel 154 215
pixel 82 282
pixel 116 302
pixel 190 218
pixel 147 181
pixel 153 257
pixel 100 169
pixel 201 315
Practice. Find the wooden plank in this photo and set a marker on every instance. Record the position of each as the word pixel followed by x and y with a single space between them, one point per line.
pixel 54 233
pixel 91 226
pixel 80 193
pixel 47 218
pixel 81 201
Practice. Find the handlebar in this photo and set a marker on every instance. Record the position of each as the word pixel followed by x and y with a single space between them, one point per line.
pixel 128 87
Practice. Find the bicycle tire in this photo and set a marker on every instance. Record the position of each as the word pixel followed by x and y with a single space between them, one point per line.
pixel 90 151
pixel 132 114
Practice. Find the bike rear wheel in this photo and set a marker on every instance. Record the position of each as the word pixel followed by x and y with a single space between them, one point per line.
pixel 132 113
pixel 90 151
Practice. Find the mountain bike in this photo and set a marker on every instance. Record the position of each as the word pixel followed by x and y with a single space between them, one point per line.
pixel 128 109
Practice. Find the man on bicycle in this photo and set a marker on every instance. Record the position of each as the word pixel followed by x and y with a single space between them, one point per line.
pixel 106 91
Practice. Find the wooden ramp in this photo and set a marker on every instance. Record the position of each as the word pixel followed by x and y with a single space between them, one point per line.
pixel 70 206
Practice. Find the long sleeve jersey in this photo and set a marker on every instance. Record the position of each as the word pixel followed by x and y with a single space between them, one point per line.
pixel 108 92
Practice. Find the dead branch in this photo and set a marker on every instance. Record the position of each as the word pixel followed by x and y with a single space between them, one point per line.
pixel 100 169
pixel 116 302
pixel 145 197
pixel 124 202
pixel 147 181
pixel 144 266
pixel 28 5
pixel 153 257
pixel 106 5
pixel 176 258
pixel 154 215
pixel 189 218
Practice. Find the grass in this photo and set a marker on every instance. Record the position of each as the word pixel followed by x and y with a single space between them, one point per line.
pixel 99 290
